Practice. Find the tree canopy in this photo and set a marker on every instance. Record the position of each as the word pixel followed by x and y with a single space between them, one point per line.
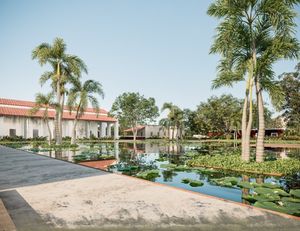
pixel 133 109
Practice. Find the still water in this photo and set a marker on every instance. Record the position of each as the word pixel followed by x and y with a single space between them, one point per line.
pixel 127 158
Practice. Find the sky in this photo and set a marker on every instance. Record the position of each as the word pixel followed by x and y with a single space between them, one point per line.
pixel 159 48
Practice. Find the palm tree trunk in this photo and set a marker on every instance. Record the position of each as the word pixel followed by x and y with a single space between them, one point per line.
pixel 73 140
pixel 58 109
pixel 49 131
pixel 244 127
pixel 57 112
pixel 261 124
pixel 61 116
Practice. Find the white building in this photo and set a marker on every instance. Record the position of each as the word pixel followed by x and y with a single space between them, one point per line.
pixel 15 120
pixel 152 131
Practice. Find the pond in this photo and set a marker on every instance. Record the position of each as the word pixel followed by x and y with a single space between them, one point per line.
pixel 164 162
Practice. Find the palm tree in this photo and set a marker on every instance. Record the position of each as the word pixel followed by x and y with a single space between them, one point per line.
pixel 175 118
pixel 65 68
pixel 165 126
pixel 44 102
pixel 252 36
pixel 78 98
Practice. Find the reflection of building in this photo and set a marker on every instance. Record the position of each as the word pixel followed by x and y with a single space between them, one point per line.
pixel 15 120
pixel 171 148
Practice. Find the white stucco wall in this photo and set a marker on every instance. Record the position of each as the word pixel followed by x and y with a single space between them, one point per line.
pixel 24 127
pixel 153 131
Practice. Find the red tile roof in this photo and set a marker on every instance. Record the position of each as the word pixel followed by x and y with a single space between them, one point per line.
pixel 13 111
pixel 23 103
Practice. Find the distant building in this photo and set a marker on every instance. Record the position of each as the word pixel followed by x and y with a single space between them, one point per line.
pixel 145 131
pixel 150 131
pixel 15 120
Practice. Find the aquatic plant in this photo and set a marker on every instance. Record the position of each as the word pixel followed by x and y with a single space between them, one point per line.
pixel 234 163
pixel 148 174
pixel 191 182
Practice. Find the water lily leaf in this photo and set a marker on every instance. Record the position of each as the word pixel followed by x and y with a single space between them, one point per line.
pixel 281 192
pixel 292 205
pixel 181 168
pixel 266 197
pixel 283 209
pixel 246 184
pixel 261 190
pixel 222 182
pixel 270 185
pixel 168 166
pixel 149 174
pixel 290 199
pixel 295 192
pixel 196 183
pixel 185 180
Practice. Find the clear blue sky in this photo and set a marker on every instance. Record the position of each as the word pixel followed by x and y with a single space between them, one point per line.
pixel 159 48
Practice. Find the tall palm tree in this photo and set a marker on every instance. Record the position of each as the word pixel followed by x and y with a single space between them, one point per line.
pixel 251 37
pixel 175 118
pixel 79 96
pixel 65 68
pixel 44 102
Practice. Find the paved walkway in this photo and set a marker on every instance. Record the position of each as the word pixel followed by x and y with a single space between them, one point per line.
pixel 45 194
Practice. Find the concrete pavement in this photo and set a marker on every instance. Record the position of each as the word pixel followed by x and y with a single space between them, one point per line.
pixel 41 193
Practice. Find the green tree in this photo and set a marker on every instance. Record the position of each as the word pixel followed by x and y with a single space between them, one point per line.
pixel 190 126
pixel 251 37
pixel 176 120
pixel 79 97
pixel 134 109
pixel 43 103
pixel 219 114
pixel 66 68
pixel 290 83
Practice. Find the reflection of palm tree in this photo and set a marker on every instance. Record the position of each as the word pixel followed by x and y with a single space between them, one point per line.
pixel 259 180
pixel 245 191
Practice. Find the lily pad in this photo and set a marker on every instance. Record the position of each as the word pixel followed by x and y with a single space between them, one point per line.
pixel 185 180
pixel 182 168
pixel 246 184
pixel 283 209
pixel 270 185
pixel 222 182
pixel 290 199
pixel 281 192
pixel 261 190
pixel 169 166
pixel 149 174
pixel 196 183
pixel 295 192
pixel 266 197
pixel 292 205
pixel 206 170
